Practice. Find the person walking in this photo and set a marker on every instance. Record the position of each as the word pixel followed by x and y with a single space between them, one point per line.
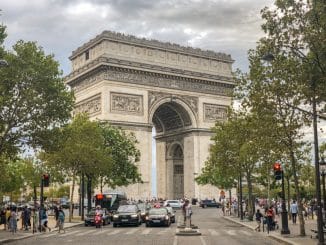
pixel 8 212
pixel 61 220
pixel 258 216
pixel 44 220
pixel 56 216
pixel 294 211
pixel 13 220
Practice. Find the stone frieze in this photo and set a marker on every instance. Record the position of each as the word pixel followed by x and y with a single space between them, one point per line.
pixel 91 106
pixel 213 112
pixel 121 103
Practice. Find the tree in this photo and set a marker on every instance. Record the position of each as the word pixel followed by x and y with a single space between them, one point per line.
pixel 33 97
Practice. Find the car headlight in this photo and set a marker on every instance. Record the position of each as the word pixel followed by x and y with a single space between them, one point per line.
pixel 134 216
pixel 115 216
pixel 166 217
pixel 143 214
pixel 147 218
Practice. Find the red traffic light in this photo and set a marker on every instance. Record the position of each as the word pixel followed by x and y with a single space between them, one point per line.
pixel 277 166
pixel 99 196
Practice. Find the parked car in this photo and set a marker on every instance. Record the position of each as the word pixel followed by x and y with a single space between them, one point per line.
pixel 209 203
pixel 90 217
pixel 158 216
pixel 172 214
pixel 173 203
pixel 127 215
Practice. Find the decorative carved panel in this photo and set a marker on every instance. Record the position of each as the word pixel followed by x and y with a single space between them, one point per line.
pixel 132 104
pixel 91 106
pixel 214 112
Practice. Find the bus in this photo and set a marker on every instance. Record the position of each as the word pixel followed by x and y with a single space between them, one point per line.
pixel 111 201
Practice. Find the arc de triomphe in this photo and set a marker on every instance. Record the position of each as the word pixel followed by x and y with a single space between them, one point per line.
pixel 136 84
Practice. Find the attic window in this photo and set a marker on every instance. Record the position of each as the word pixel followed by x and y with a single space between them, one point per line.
pixel 87 55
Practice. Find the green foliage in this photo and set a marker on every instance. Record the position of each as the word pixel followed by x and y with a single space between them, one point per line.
pixel 33 97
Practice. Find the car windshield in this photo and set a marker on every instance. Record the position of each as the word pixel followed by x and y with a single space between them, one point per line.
pixel 91 213
pixel 173 201
pixel 128 208
pixel 158 211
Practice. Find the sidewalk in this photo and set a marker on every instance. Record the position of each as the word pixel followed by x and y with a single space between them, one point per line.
pixel 7 236
pixel 294 238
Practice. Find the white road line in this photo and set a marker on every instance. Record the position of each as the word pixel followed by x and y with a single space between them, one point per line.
pixel 162 231
pixel 246 233
pixel 175 241
pixel 114 232
pixel 147 231
pixel 98 232
pixel 131 231
pixel 84 233
pixel 213 232
pixel 50 234
pixel 202 240
pixel 231 232
pixel 69 233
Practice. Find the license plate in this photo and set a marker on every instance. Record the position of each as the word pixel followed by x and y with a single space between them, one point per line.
pixel 156 221
pixel 124 220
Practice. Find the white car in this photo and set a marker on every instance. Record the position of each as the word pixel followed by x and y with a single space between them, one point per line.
pixel 173 203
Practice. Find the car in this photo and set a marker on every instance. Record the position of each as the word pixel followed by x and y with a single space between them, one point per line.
pixel 127 215
pixel 172 214
pixel 209 203
pixel 144 208
pixel 90 217
pixel 158 217
pixel 173 203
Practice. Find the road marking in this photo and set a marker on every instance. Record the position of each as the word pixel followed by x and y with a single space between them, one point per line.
pixel 98 232
pixel 175 241
pixel 231 232
pixel 69 233
pixel 246 233
pixel 114 232
pixel 131 231
pixel 84 233
pixel 213 232
pixel 51 234
pixel 202 240
pixel 147 231
pixel 163 231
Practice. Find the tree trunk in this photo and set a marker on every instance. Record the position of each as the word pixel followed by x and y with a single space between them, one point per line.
pixel 72 197
pixel 250 206
pixel 297 190
pixel 289 196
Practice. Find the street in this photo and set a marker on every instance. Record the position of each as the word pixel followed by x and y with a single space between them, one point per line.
pixel 214 228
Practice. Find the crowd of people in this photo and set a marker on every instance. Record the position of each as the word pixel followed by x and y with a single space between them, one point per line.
pixel 30 219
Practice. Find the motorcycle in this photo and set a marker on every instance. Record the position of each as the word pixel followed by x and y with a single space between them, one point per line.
pixel 98 221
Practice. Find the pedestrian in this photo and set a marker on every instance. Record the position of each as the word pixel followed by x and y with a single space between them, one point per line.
pixel 8 212
pixel 3 217
pixel 294 211
pixel 270 217
pixel 44 220
pixel 56 216
pixel 61 220
pixel 258 216
pixel 13 220
pixel 26 217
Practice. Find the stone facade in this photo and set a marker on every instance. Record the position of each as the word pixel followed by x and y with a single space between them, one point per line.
pixel 136 84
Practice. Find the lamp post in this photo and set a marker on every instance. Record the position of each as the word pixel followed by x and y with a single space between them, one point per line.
pixel 322 165
pixel 284 214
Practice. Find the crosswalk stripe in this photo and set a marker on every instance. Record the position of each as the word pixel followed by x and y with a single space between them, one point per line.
pixel 163 231
pixel 114 232
pixel 146 232
pixel 213 232
pixel 84 233
pixel 131 231
pixel 98 232
pixel 231 232
pixel 246 233
pixel 69 233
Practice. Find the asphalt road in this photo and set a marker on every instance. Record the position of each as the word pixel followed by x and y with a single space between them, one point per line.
pixel 214 229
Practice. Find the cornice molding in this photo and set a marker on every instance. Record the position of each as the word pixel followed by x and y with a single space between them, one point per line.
pixel 130 39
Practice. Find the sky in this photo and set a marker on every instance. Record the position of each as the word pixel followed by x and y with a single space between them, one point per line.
pixel 61 26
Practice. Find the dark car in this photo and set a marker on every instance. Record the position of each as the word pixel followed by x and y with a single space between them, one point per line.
pixel 127 215
pixel 144 208
pixel 158 216
pixel 172 214
pixel 209 203
pixel 90 217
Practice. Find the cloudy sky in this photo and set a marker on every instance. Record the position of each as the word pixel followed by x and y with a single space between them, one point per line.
pixel 60 26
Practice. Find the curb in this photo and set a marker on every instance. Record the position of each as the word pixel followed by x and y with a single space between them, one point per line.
pixel 28 235
pixel 274 237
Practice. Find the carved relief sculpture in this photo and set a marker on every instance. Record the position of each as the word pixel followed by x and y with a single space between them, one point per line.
pixel 91 106
pixel 132 104
pixel 214 112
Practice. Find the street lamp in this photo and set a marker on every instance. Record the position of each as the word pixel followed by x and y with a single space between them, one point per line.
pixel 322 166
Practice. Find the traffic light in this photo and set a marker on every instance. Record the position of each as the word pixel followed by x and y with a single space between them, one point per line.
pixel 46 180
pixel 277 171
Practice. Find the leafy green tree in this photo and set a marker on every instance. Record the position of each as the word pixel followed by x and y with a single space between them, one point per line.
pixel 33 97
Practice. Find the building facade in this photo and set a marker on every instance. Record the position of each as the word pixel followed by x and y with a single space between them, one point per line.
pixel 138 84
